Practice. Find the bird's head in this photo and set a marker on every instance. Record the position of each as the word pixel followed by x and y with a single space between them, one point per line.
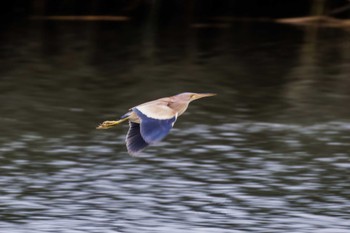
pixel 190 96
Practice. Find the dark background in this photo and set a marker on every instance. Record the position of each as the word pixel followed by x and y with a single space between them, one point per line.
pixel 167 10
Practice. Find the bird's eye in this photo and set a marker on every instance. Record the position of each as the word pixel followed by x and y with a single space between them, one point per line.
pixel 192 96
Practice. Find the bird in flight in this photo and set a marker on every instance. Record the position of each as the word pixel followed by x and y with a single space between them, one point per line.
pixel 150 122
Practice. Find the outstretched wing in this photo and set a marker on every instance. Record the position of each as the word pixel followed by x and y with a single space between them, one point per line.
pixel 134 141
pixel 156 120
pixel 157 109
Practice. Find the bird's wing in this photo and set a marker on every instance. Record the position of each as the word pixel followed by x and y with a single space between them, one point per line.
pixel 134 141
pixel 157 109
pixel 156 120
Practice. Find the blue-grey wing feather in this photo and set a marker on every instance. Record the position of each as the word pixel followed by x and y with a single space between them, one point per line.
pixel 154 130
pixel 134 141
pixel 126 115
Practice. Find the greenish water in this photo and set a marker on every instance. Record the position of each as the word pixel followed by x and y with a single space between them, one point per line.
pixel 270 153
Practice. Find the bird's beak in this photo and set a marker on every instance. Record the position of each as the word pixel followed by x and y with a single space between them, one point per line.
pixel 201 95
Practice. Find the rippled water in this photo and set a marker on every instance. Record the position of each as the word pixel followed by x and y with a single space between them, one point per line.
pixel 270 153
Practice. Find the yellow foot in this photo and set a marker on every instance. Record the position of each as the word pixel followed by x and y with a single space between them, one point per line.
pixel 107 124
pixel 110 124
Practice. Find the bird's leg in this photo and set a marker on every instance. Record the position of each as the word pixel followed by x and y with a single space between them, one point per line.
pixel 110 124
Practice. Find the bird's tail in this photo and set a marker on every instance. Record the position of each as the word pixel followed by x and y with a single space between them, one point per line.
pixel 110 124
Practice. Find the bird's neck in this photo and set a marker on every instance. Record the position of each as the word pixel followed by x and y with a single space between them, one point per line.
pixel 179 107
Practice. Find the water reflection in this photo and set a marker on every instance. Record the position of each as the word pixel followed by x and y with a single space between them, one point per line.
pixel 269 154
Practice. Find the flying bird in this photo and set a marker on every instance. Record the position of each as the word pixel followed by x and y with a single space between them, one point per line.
pixel 150 122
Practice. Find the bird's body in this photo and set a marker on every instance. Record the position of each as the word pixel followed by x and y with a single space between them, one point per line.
pixel 150 122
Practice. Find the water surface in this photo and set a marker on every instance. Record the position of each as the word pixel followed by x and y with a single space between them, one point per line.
pixel 270 153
